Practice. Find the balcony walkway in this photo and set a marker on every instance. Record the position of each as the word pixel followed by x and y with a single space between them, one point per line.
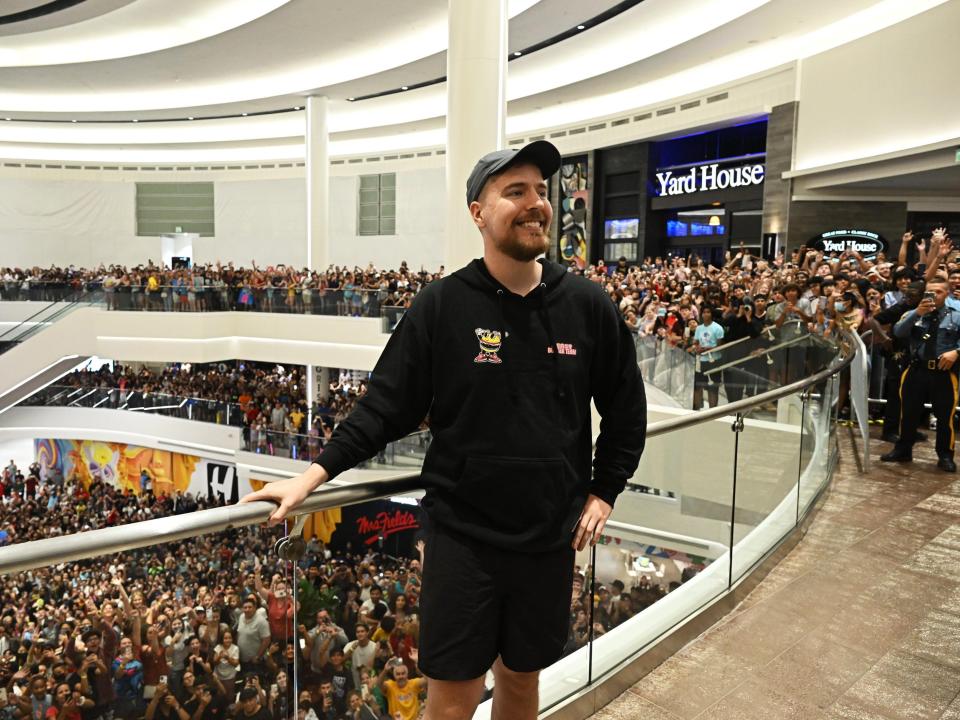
pixel 861 621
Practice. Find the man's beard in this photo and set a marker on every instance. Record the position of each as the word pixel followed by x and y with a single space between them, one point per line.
pixel 517 248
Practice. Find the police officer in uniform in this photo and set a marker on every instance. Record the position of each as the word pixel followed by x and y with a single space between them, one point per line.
pixel 933 331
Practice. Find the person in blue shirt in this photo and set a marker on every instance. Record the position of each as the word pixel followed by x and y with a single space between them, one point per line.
pixel 706 337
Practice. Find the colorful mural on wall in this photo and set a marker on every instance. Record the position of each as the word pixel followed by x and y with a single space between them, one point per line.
pixel 574 200
pixel 123 466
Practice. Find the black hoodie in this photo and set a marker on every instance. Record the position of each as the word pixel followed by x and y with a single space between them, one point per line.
pixel 507 381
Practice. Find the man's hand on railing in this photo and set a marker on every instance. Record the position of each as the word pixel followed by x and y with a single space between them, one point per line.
pixel 289 493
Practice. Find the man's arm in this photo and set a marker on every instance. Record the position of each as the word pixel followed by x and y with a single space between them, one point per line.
pixel 618 393
pixel 905 324
pixel 904 245
pixel 397 400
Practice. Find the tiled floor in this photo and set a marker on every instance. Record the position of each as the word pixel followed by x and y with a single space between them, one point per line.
pixel 861 621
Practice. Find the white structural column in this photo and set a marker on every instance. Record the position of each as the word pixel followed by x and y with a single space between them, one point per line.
pixel 476 111
pixel 318 184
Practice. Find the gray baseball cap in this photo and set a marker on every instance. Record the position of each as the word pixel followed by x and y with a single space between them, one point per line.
pixel 541 153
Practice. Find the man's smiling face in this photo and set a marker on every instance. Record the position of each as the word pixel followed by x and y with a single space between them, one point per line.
pixel 514 212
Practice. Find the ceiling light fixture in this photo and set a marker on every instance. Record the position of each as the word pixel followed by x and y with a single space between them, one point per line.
pixel 135 120
pixel 517 53
pixel 296 107
pixel 350 99
pixel 190 118
pixel 405 87
pixel 73 121
pixel 581 27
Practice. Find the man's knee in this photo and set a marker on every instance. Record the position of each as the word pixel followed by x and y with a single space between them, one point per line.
pixel 514 682
pixel 453 699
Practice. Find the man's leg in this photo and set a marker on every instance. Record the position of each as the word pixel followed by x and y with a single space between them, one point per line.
pixel 943 398
pixel 454 699
pixel 913 392
pixel 515 694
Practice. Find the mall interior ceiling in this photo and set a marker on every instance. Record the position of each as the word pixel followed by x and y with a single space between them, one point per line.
pixel 686 125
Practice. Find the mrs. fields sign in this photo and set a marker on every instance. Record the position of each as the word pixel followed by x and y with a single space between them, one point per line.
pixel 706 178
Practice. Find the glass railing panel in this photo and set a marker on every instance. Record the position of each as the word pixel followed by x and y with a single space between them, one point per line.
pixel 668 540
pixel 158 403
pixel 767 471
pixel 571 673
pixel 667 366
pixel 46 315
pixel 816 453
pixel 297 300
pixel 184 625
pixel 406 453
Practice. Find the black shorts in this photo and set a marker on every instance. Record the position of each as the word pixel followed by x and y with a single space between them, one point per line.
pixel 479 601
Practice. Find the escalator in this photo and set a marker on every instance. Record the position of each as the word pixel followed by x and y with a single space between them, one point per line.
pixel 14 337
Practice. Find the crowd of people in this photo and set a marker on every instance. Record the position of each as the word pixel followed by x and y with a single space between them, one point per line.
pixel 216 627
pixel 217 287
pixel 268 401
pixel 205 628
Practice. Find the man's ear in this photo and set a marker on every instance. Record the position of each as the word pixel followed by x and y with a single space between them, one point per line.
pixel 475 213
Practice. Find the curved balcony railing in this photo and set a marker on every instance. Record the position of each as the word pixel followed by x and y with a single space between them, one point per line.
pixel 733 482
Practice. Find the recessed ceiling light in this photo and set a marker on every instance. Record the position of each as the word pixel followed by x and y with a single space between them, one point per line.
pixel 581 27
pixel 350 99
pixel 8 118
pixel 297 107
pixel 135 120
pixel 190 118
pixel 517 53
pixel 405 87
pixel 244 114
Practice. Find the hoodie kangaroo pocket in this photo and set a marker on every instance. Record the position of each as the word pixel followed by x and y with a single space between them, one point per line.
pixel 512 494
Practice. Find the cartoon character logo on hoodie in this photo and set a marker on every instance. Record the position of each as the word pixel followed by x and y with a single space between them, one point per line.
pixel 490 341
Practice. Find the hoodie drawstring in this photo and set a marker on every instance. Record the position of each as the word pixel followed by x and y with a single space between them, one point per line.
pixel 511 380
pixel 554 350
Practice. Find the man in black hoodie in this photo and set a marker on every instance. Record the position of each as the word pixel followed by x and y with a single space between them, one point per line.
pixel 505 355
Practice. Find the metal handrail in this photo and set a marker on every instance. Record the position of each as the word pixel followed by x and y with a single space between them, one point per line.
pixel 664 426
pixel 94 543
pixel 86 545
pixel 759 353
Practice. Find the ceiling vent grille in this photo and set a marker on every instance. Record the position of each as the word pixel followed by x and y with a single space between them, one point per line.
pixel 666 111
pixel 621 121
pixel 517 141
pixel 690 105
pixel 718 98
pixel 562 133
pixel 598 126
pixel 576 131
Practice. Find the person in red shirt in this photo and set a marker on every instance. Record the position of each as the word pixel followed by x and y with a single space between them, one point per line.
pixel 279 605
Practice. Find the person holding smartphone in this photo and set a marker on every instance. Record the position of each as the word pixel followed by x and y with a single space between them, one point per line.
pixel 933 332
